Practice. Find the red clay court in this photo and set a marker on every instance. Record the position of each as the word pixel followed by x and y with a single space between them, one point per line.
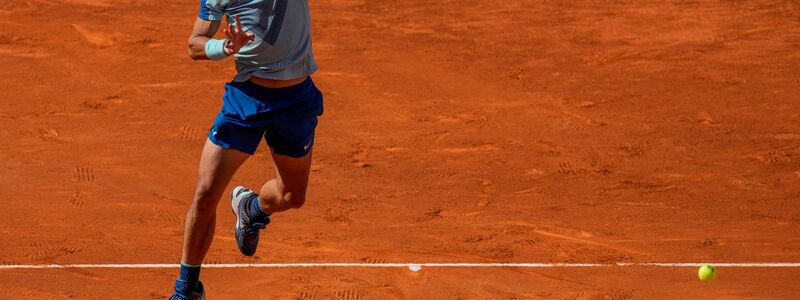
pixel 608 133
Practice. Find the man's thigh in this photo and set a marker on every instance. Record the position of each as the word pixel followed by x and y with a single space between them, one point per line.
pixel 217 167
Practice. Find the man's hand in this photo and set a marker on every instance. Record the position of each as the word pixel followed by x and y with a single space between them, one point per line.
pixel 237 38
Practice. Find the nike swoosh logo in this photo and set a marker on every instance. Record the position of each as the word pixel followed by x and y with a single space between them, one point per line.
pixel 307 145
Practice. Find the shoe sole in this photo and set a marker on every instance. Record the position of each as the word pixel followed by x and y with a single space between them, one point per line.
pixel 234 210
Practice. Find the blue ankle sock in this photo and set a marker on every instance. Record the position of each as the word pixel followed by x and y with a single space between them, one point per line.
pixel 254 209
pixel 190 274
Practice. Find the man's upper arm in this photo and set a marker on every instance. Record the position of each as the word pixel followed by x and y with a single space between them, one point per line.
pixel 203 28
pixel 212 10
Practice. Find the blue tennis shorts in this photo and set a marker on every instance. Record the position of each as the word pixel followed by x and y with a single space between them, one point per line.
pixel 285 117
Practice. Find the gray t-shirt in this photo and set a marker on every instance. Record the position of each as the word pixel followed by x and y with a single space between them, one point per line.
pixel 282 46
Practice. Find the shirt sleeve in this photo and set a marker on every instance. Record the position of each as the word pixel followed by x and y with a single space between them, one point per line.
pixel 211 10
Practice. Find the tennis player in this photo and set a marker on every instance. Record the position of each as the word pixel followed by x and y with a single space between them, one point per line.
pixel 271 97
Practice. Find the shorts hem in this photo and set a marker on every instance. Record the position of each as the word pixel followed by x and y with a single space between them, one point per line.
pixel 225 145
pixel 292 154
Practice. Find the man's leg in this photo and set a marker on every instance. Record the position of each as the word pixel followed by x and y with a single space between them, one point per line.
pixel 217 166
pixel 287 190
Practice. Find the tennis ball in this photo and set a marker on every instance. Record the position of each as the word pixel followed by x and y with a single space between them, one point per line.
pixel 706 273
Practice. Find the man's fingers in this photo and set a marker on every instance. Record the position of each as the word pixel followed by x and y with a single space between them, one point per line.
pixel 228 34
pixel 251 36
pixel 232 29
pixel 239 24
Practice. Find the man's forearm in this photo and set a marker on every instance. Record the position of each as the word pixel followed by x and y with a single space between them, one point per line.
pixel 197 47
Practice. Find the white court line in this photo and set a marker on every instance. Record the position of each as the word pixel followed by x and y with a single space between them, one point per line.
pixel 414 265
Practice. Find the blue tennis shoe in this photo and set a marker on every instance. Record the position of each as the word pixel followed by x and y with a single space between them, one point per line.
pixel 182 291
pixel 247 227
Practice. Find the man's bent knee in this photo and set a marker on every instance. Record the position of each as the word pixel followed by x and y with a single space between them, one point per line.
pixel 295 200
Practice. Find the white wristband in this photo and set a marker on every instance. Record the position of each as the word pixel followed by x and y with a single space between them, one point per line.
pixel 215 49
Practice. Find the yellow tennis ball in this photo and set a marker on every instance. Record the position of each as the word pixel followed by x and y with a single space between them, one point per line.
pixel 706 273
